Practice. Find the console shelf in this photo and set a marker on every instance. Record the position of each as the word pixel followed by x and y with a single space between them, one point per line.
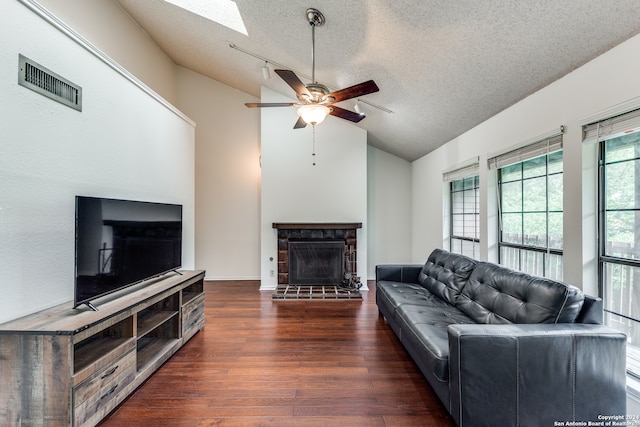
pixel 149 320
pixel 68 366
pixel 151 350
pixel 188 296
pixel 87 355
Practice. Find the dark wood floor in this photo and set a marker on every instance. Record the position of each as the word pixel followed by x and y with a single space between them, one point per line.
pixel 260 362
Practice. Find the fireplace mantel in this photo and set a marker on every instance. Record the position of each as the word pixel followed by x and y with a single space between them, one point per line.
pixel 317 225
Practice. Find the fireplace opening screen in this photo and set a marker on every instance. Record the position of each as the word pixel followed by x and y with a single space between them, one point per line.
pixel 316 262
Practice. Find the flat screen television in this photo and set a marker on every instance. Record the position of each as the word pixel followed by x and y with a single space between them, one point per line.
pixel 120 243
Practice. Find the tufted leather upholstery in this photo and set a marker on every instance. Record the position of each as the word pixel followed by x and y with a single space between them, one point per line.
pixel 396 294
pixel 495 294
pixel 445 274
pixel 450 292
pixel 390 296
pixel 426 327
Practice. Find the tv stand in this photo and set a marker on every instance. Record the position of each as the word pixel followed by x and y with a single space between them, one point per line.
pixel 73 366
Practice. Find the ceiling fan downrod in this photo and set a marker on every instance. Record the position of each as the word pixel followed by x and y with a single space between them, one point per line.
pixel 316 19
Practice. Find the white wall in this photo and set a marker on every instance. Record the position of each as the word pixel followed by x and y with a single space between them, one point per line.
pixel 389 213
pixel 227 135
pixel 227 176
pixel 108 27
pixel 608 80
pixel 50 152
pixel 294 190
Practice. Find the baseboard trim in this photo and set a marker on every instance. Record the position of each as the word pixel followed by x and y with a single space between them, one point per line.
pixel 231 279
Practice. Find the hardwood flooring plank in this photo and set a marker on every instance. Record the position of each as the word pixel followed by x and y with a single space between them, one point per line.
pixel 362 421
pixel 308 363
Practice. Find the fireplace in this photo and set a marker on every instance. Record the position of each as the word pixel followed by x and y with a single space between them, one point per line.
pixel 316 253
pixel 316 262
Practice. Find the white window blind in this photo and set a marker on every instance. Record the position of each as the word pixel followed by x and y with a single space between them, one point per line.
pixel 467 171
pixel 526 152
pixel 611 127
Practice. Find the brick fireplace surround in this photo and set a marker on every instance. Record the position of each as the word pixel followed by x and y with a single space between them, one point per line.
pixel 346 231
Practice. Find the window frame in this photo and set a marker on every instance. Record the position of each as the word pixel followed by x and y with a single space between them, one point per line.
pixel 476 213
pixel 546 250
pixel 605 260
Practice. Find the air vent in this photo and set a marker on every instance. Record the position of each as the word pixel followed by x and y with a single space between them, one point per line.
pixel 39 79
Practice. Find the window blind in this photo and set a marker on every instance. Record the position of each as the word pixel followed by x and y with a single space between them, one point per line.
pixel 467 171
pixel 526 152
pixel 611 127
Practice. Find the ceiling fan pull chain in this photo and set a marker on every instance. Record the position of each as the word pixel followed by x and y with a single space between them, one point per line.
pixel 313 155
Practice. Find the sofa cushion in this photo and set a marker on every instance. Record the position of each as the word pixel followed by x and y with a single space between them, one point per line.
pixel 425 327
pixel 393 294
pixel 446 273
pixel 496 294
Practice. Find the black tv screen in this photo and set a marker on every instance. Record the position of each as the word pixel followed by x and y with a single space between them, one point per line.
pixel 123 242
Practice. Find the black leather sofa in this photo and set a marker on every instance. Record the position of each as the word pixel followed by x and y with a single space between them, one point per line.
pixel 504 348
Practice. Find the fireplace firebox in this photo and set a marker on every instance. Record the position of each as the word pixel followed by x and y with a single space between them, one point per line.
pixel 316 253
pixel 316 262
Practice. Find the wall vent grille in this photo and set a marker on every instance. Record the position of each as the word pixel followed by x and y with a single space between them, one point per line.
pixel 39 79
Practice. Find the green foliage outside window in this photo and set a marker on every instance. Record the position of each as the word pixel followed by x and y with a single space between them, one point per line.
pixel 532 201
pixel 622 196
pixel 620 250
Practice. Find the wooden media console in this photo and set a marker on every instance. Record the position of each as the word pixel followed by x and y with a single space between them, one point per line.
pixel 71 367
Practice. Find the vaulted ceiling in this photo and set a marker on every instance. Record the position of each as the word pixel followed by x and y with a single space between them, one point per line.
pixel 442 66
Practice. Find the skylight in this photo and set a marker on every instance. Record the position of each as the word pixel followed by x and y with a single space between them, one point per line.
pixel 224 12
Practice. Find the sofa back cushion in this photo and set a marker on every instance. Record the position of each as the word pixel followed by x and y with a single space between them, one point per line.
pixel 496 294
pixel 445 274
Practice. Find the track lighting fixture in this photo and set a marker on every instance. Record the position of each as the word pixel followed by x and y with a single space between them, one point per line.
pixel 265 71
pixel 277 65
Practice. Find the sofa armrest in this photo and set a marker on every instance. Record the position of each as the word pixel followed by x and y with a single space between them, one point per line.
pixel 405 273
pixel 534 375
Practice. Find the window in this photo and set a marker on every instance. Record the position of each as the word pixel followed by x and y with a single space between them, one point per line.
pixel 619 236
pixel 464 236
pixel 530 191
pixel 464 208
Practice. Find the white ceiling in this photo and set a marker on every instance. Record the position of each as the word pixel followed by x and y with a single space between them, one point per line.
pixel 442 66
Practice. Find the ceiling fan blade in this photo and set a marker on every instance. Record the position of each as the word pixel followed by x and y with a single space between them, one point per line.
pixel 268 104
pixel 354 91
pixel 346 114
pixel 292 80
pixel 300 124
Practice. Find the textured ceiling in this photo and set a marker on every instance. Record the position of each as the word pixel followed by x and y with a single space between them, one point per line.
pixel 442 66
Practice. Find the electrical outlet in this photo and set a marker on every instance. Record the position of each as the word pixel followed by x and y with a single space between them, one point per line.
pixel 272 273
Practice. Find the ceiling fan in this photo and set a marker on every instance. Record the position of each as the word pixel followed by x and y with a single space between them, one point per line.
pixel 316 101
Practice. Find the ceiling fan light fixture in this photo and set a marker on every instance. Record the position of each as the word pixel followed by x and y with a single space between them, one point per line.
pixel 313 114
